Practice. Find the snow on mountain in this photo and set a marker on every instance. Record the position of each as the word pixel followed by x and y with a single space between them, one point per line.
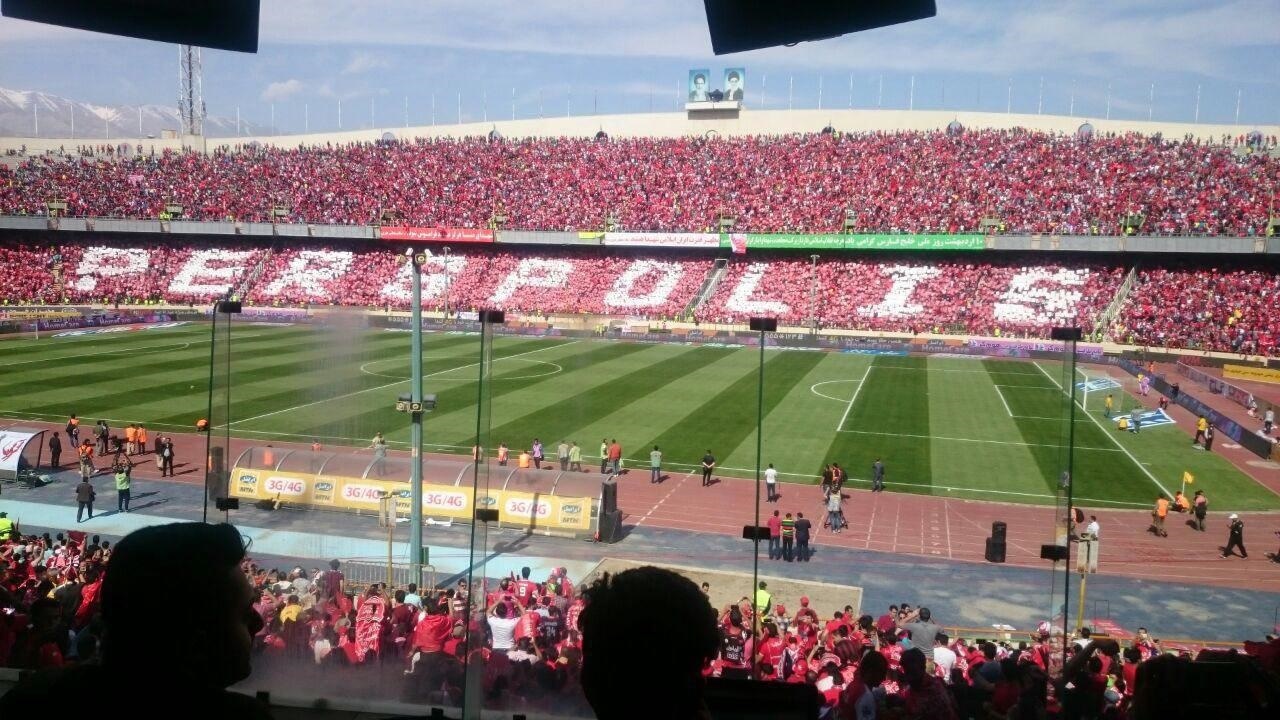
pixel 31 113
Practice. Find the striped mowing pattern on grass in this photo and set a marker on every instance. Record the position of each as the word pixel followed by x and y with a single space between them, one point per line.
pixel 973 428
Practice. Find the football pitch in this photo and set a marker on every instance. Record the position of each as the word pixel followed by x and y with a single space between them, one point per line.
pixel 968 428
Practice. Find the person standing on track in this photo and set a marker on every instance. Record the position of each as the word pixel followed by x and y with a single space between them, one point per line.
pixel 788 537
pixel 775 535
pixel 504 453
pixel 771 483
pixel 84 497
pixel 709 464
pixel 379 446
pixel 655 465
pixel 1268 420
pixel 604 456
pixel 877 476
pixel 835 517
pixel 1235 537
pixel 124 470
pixel 1202 426
pixel 1200 508
pixel 575 457
pixel 615 457
pixel 73 430
pixel 562 454
pixel 166 455
pixel 55 450
pixel 804 530
pixel 142 440
pixel 86 459
pixel 536 452
pixel 1209 432
pixel 1158 514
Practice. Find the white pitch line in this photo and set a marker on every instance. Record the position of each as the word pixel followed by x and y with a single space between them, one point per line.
pixel 972 440
pixel 664 499
pixel 179 345
pixel 1002 400
pixel 854 399
pixel 383 387
pixel 1104 430
pixel 953 370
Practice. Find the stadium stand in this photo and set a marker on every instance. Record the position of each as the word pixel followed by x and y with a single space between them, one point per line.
pixel 1173 304
pixel 947 296
pixel 1220 308
pixel 319 629
pixel 904 181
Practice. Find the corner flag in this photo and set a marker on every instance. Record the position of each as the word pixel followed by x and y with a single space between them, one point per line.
pixel 1188 478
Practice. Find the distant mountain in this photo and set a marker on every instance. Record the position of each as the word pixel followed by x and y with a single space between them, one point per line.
pixel 21 109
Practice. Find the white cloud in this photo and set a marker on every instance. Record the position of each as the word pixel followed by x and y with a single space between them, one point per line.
pixel 282 90
pixel 364 62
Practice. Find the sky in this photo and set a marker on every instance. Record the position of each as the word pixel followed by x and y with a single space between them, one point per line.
pixel 391 61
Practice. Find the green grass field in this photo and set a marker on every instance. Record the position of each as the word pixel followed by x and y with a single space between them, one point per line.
pixel 984 429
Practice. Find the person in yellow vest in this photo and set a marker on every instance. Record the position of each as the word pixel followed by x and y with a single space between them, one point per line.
pixel 526 460
pixel 1110 404
pixel 763 599
pixel 1202 427
pixel 7 530
pixel 503 453
pixel 1122 424
pixel 142 439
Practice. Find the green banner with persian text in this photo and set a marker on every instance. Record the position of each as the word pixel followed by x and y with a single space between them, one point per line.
pixel 741 242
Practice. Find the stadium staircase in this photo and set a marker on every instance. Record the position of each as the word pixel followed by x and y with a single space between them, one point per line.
pixel 1122 294
pixel 252 277
pixel 59 279
pixel 708 288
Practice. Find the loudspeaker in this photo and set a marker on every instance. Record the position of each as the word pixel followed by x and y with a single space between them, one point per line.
pixel 230 307
pixel 221 24
pixel 998 530
pixel 608 497
pixel 738 25
pixel 764 324
pixel 995 550
pixel 1054 552
pixel 611 526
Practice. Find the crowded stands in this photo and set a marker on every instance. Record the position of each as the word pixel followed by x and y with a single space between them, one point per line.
pixel 522 633
pixel 947 296
pixel 1227 308
pixel 1221 309
pixel 906 181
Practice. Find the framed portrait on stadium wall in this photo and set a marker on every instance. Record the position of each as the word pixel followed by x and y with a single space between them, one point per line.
pixel 699 85
pixel 735 79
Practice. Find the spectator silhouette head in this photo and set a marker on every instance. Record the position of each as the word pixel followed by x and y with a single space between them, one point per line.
pixel 193 555
pixel 624 673
pixel 195 665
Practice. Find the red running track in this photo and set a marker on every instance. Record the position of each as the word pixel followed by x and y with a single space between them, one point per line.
pixel 891 522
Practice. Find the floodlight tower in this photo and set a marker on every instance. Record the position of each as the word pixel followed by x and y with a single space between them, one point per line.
pixel 190 90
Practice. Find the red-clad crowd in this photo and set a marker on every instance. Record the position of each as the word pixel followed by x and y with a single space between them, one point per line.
pixel 524 637
pixel 893 181
pixel 550 281
pixel 915 295
pixel 1230 307
pixel 1219 308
